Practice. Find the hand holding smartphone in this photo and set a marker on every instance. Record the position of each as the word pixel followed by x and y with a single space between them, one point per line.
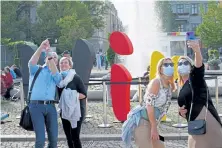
pixel 192 42
pixel 191 36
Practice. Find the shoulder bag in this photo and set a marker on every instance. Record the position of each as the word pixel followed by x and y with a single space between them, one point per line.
pixel 197 127
pixel 26 120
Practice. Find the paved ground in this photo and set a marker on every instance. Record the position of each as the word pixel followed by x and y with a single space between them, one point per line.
pixel 90 127
pixel 93 144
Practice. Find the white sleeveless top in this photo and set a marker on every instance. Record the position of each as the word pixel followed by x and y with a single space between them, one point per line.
pixel 161 101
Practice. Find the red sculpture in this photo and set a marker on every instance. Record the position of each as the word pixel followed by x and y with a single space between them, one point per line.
pixel 120 43
pixel 120 93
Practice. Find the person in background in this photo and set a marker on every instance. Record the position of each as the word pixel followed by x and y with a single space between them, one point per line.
pixel 8 69
pixel 193 87
pixel 106 61
pixel 11 92
pixel 143 87
pixel 3 86
pixel 67 54
pixel 17 71
pixel 98 60
pixel 42 100
pixel 102 59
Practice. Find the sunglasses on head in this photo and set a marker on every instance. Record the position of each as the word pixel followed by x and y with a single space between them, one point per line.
pixel 183 63
pixel 168 64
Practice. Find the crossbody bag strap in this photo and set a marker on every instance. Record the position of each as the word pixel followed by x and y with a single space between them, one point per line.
pixel 33 82
pixel 191 87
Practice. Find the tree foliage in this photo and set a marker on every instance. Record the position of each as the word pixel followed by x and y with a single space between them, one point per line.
pixel 110 54
pixel 15 19
pixel 97 9
pixel 210 30
pixel 62 20
pixel 165 16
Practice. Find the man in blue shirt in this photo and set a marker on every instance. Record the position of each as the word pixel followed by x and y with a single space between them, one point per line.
pixel 42 100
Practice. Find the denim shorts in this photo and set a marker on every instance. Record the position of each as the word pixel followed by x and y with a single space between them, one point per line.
pixel 145 116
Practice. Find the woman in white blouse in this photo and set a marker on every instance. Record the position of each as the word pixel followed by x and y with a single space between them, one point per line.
pixel 157 101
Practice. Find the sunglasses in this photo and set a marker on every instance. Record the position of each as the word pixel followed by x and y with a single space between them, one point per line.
pixel 183 63
pixel 168 64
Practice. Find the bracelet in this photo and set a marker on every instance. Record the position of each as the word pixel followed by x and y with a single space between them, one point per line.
pixel 50 58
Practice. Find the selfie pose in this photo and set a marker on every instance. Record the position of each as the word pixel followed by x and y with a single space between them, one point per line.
pixel 143 120
pixel 204 124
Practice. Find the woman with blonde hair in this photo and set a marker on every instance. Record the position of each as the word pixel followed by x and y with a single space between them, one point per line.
pixel 143 120
pixel 204 124
pixel 72 102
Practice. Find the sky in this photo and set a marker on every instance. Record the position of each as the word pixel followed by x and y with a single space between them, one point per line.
pixel 123 7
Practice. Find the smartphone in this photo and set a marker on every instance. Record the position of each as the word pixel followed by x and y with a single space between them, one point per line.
pixel 191 36
pixel 161 138
pixel 49 54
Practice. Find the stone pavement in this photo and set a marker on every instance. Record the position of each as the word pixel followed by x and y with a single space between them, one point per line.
pixel 93 144
pixel 91 126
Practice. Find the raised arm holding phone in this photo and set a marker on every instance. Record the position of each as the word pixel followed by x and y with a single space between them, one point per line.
pixel 42 97
pixel 204 124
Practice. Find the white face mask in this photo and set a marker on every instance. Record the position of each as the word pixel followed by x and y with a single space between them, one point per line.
pixel 184 69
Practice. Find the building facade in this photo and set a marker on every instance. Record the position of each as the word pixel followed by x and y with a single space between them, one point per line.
pixel 112 23
pixel 187 14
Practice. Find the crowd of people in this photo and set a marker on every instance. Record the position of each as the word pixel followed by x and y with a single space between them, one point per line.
pixel 101 60
pixel 8 89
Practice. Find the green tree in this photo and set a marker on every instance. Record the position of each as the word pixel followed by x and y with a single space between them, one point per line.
pixel 15 21
pixel 210 30
pixel 97 9
pixel 12 45
pixel 70 32
pixel 165 16
pixel 63 20
pixel 48 13
pixel 110 54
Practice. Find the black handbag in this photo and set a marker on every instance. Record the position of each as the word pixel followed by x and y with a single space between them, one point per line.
pixel 197 127
pixel 26 120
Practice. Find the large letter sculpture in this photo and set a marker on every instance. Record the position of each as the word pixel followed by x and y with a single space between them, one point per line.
pixel 121 44
pixel 83 56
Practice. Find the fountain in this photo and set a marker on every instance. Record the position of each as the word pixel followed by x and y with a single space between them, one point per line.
pixel 142 30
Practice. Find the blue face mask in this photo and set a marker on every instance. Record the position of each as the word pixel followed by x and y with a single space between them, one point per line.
pixel 64 73
pixel 168 71
pixel 184 69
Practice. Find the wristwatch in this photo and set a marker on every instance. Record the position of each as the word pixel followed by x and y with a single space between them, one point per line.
pixel 50 58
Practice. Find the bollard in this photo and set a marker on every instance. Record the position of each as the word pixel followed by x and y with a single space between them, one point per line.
pixel 22 100
pixel 87 115
pixel 105 124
